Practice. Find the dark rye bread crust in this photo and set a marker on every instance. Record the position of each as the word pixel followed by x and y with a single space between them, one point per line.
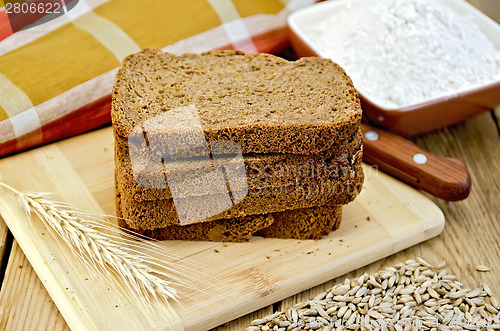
pixel 310 223
pixel 263 171
pixel 233 230
pixel 263 103
pixel 160 213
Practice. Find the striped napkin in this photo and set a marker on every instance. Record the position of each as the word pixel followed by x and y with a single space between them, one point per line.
pixel 56 78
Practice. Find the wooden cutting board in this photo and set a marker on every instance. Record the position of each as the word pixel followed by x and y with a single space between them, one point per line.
pixel 224 280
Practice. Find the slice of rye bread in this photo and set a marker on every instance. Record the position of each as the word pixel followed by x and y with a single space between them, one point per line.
pixel 233 230
pixel 310 223
pixel 263 171
pixel 160 213
pixel 261 102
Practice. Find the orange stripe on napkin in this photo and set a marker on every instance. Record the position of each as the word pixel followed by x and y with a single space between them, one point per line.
pixel 5 29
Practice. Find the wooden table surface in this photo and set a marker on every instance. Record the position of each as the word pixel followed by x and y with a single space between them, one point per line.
pixel 471 236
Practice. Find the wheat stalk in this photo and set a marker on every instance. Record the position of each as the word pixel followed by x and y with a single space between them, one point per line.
pixel 85 240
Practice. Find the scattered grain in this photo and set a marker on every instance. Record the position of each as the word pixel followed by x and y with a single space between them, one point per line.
pixel 409 296
pixel 483 268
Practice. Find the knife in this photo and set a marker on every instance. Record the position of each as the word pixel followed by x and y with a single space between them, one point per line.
pixel 443 177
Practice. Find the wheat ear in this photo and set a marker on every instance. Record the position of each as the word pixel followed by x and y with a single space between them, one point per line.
pixel 84 239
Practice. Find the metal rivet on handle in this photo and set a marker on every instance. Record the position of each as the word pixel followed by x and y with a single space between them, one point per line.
pixel 420 158
pixel 371 135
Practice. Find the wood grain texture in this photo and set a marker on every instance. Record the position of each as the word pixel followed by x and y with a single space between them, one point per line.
pixel 3 241
pixel 472 231
pixel 469 238
pixel 24 302
pixel 496 116
pixel 47 170
pixel 237 278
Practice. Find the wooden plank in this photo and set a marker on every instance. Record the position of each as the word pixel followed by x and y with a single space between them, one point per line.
pixel 472 229
pixel 496 116
pixel 465 136
pixel 238 278
pixel 24 302
pixel 60 271
pixel 474 224
pixel 3 241
pixel 244 321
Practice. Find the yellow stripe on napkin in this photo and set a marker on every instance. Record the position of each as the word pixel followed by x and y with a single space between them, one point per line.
pixel 13 100
pixel 108 34
pixel 255 7
pixel 3 114
pixel 56 62
pixel 167 23
pixel 225 9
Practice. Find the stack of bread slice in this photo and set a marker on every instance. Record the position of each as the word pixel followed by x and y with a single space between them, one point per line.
pixel 223 145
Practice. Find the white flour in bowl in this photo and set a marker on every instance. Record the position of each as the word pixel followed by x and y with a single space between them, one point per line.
pixel 405 52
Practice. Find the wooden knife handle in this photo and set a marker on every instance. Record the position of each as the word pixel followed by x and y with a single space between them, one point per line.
pixel 443 177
